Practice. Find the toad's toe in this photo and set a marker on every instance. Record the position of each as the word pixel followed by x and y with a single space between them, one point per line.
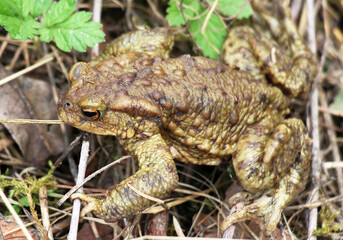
pixel 93 204
pixel 266 211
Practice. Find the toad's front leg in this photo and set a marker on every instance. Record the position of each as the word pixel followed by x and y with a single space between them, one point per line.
pixel 157 177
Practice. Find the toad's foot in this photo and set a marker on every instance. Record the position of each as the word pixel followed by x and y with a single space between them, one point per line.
pixel 266 210
pixel 93 204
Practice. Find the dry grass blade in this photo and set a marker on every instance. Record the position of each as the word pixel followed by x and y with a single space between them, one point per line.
pixel 42 61
pixel 14 213
pixel 31 121
pixel 77 186
pixel 178 228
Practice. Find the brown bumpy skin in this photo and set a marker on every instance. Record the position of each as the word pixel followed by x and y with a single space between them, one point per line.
pixel 199 110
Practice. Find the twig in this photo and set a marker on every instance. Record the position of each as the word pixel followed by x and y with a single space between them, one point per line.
pixel 316 204
pixel 97 5
pixel 16 56
pixel 315 167
pixel 80 176
pixel 77 186
pixel 15 215
pixel 157 13
pixel 330 111
pixel 178 228
pixel 128 13
pixel 31 121
pixel 180 8
pixel 69 149
pixel 42 61
pixel 204 26
pixel 328 165
pixel 144 195
pixel 4 44
pixel 174 238
pixel 43 200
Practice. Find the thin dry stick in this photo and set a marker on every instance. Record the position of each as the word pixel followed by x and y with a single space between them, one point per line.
pixel 42 61
pixel 97 5
pixel 128 14
pixel 328 165
pixel 15 215
pixel 333 140
pixel 174 238
pixel 203 28
pixel 157 13
pixel 338 198
pixel 315 124
pixel 60 61
pixel 78 185
pixel 157 200
pixel 330 111
pixel 31 121
pixel 4 44
pixel 80 176
pixel 43 200
pixel 16 56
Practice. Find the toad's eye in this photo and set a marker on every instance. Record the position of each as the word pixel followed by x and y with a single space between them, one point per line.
pixel 91 114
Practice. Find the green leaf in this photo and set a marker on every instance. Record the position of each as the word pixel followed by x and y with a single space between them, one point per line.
pixel 28 29
pixel 25 8
pixel 213 37
pixel 37 7
pixel 337 104
pixel 59 12
pixel 232 7
pixel 20 29
pixel 11 8
pixel 45 35
pixel 190 9
pixel 15 18
pixel 75 32
pixel 24 202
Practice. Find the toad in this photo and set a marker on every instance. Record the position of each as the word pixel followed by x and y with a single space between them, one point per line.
pixel 198 110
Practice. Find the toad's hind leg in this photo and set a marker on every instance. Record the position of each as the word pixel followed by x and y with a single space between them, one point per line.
pixel 153 42
pixel 291 65
pixel 273 165
pixel 274 48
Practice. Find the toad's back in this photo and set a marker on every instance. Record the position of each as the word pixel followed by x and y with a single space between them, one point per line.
pixel 203 106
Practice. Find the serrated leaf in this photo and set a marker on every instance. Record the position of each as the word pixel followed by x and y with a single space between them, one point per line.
pixel 75 21
pixel 11 24
pixel 213 37
pixel 59 12
pixel 75 32
pixel 45 34
pixel 190 9
pixel 28 29
pixel 37 7
pixel 232 7
pixel 20 29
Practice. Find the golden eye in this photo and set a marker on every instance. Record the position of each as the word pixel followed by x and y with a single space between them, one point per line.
pixel 91 114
